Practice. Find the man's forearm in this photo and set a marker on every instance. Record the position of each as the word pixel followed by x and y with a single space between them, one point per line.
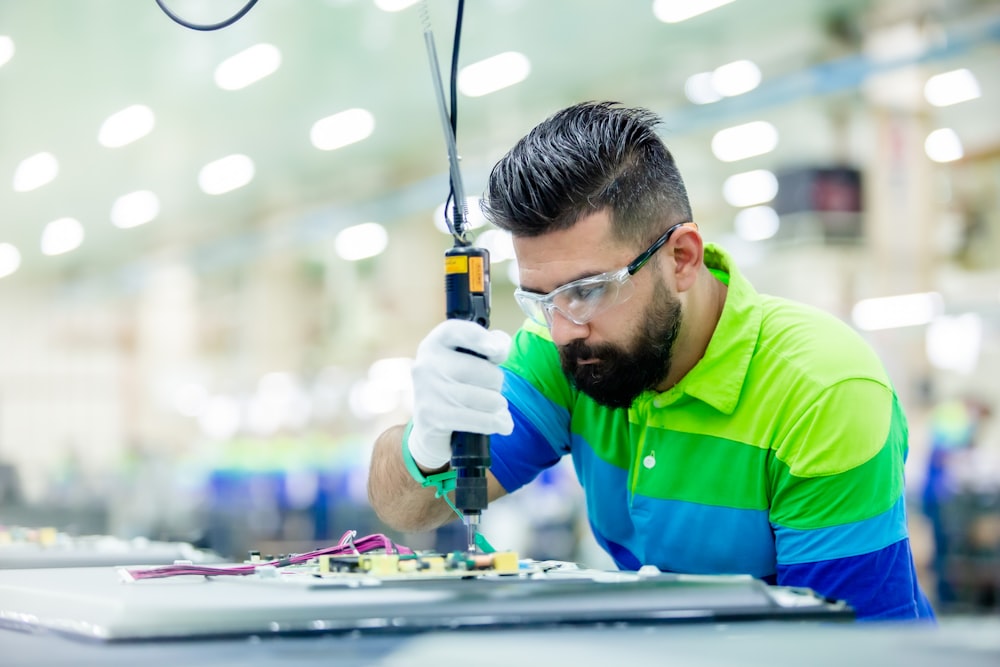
pixel 396 497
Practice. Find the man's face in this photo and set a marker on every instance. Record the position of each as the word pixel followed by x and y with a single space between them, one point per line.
pixel 614 374
pixel 624 350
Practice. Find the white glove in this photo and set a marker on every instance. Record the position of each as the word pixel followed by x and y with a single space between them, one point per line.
pixel 456 391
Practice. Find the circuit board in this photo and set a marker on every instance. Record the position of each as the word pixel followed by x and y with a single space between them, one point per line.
pixel 371 558
pixel 371 584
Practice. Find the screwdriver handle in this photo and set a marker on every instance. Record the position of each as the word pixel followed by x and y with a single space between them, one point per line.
pixel 467 297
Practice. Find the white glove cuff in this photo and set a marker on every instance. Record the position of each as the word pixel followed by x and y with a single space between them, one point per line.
pixel 428 458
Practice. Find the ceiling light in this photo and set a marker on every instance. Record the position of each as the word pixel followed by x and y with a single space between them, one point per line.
pixel 61 236
pixel 699 89
pixel 225 174
pixel 35 171
pixel 499 243
pixel 394 5
pixel 125 126
pixel 190 399
pixel 220 417
pixel 342 129
pixel 674 11
pixel 6 49
pixel 10 259
pixel 952 87
pixel 757 223
pixel 360 241
pixel 943 145
pixel 247 66
pixel 134 209
pixel 736 78
pixel 743 141
pixel 891 312
pixel 493 74
pixel 750 187
pixel 954 343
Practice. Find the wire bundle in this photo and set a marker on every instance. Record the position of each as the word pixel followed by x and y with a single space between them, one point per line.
pixel 348 545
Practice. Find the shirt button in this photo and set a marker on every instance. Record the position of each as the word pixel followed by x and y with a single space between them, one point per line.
pixel 649 461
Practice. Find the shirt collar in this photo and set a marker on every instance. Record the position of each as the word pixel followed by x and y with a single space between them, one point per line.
pixel 717 379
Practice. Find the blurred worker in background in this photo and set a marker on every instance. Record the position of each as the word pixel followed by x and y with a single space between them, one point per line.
pixel 713 429
pixel 954 473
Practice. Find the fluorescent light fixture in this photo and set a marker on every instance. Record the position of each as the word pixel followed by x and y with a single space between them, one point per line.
pixel 675 11
pixel 493 74
pixel 360 241
pixel 190 399
pixel 757 223
pixel 125 126
pixel 279 401
pixel 35 171
pixel 891 312
pixel 943 145
pixel 699 89
pixel 6 49
pixel 247 66
pixel 474 218
pixel 221 417
pixel 225 174
pixel 750 188
pixel 393 371
pixel 952 87
pixel 736 78
pixel 742 141
pixel 62 235
pixel 342 129
pixel 134 209
pixel 10 259
pixel 954 343
pixel 394 5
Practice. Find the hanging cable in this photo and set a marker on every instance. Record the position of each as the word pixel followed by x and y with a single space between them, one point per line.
pixel 207 26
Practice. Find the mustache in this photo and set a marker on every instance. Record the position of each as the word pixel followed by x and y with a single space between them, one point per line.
pixel 577 349
pixel 571 354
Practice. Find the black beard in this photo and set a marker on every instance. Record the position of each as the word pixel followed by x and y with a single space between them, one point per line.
pixel 624 373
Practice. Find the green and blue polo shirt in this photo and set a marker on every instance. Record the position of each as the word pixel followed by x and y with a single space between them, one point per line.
pixel 780 455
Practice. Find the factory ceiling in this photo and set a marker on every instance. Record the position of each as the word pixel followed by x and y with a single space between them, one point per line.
pixel 71 65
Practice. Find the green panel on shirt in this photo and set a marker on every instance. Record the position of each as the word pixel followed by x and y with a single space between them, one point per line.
pixel 734 475
pixel 819 502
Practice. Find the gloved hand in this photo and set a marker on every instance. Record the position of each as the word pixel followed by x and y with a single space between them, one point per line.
pixel 456 391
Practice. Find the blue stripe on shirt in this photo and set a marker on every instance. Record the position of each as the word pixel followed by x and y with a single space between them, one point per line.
pixel 518 458
pixel 549 420
pixel 682 536
pixel 880 586
pixel 850 539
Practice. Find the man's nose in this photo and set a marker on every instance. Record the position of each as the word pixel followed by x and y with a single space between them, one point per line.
pixel 565 330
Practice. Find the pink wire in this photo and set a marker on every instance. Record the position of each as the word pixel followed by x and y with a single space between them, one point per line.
pixel 347 546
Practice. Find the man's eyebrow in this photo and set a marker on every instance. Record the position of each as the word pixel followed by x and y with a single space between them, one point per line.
pixel 580 276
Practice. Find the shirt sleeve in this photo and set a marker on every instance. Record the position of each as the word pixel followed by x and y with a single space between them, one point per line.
pixel 538 396
pixel 881 585
pixel 837 503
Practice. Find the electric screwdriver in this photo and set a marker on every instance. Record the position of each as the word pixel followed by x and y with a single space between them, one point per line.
pixel 467 294
pixel 467 297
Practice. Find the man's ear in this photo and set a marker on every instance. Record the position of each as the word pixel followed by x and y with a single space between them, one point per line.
pixel 687 250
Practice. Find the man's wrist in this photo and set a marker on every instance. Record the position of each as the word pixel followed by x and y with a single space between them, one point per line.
pixel 418 471
pixel 431 451
pixel 443 481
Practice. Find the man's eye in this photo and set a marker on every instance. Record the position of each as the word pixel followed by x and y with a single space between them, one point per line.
pixel 589 292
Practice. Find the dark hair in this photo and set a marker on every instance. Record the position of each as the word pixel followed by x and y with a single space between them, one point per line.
pixel 583 159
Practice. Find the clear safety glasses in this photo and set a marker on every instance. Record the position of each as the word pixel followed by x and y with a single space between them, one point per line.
pixel 582 300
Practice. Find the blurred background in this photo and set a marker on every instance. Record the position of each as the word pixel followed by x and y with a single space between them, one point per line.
pixel 218 250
